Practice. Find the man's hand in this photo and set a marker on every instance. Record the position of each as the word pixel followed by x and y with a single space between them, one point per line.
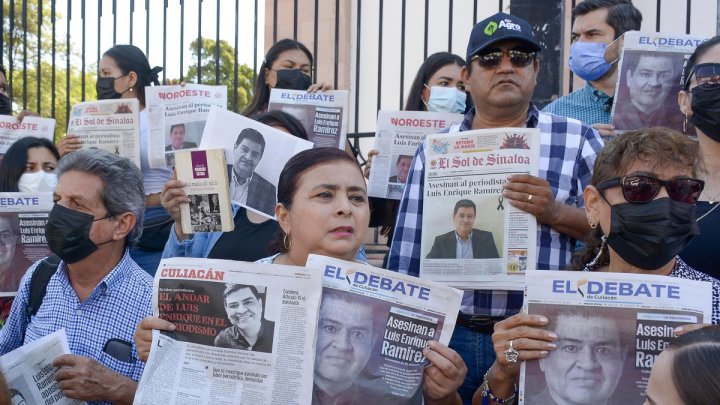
pixel 83 378
pixel 532 195
pixel 68 144
pixel 366 169
pixel 444 375
pixel 607 131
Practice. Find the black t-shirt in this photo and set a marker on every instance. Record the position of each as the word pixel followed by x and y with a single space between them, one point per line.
pixel 248 242
pixel 700 253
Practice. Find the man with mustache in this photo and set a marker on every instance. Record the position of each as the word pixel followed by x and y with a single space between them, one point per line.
pixel 248 188
pixel 501 74
pixel 250 330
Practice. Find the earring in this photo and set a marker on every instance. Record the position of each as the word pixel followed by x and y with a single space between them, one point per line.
pixel 685 123
pixel 131 89
pixel 592 222
pixel 287 242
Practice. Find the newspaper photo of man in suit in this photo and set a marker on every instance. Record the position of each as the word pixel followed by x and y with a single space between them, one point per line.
pixel 177 139
pixel 246 186
pixel 465 242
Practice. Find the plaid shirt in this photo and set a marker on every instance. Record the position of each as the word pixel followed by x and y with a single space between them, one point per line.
pixel 588 105
pixel 113 310
pixel 567 153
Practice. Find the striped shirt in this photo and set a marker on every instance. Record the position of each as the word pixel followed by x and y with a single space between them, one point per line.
pixel 568 150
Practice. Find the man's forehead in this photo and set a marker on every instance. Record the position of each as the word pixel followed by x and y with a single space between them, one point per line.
pixel 594 20
pixel 249 143
pixel 591 329
pixel 241 294
pixel 91 186
pixel 347 314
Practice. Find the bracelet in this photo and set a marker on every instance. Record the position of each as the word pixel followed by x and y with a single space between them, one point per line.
pixel 487 393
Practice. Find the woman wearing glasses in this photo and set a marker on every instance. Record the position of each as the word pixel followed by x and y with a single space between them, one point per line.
pixel 700 102
pixel 641 203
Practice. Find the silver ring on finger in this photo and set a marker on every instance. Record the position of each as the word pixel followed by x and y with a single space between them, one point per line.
pixel 530 197
pixel 511 354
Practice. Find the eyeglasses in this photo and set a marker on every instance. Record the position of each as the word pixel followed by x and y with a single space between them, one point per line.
pixel 493 58
pixel 707 76
pixel 641 189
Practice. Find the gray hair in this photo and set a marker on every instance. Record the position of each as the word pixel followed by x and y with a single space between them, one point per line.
pixel 123 191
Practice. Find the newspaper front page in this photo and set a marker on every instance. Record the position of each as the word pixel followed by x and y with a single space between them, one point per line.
pixel 611 327
pixel 255 155
pixel 176 118
pixel 22 236
pixel 11 130
pixel 372 328
pixel 112 125
pixel 471 237
pixel 649 81
pixel 245 334
pixel 324 114
pixel 397 137
pixel 30 374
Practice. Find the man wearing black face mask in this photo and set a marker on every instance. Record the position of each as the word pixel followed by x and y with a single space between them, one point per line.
pixel 97 287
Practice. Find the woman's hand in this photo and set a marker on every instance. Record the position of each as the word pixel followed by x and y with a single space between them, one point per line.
pixel 143 334
pixel 171 198
pixel 69 143
pixel 324 86
pixel 366 169
pixel 681 330
pixel 444 375
pixel 528 338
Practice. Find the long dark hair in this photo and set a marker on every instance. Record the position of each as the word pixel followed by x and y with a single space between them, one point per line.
pixel 15 160
pixel 293 171
pixel 261 91
pixel 129 58
pixel 432 64
pixel 694 366
pixel 282 119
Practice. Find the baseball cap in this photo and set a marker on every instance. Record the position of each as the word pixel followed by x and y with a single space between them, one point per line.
pixel 499 27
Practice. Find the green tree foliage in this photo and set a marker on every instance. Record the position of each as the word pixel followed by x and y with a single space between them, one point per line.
pixel 227 71
pixel 14 49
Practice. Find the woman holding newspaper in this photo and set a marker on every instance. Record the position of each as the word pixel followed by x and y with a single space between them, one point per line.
pixel 322 208
pixel 641 203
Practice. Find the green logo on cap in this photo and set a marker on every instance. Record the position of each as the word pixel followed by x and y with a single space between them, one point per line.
pixel 491 28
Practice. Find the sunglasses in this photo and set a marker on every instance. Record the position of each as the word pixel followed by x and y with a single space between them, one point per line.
pixel 707 75
pixel 642 189
pixel 493 58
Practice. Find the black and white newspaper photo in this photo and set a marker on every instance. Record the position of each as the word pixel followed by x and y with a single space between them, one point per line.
pixel 176 118
pixel 610 327
pixel 324 114
pixel 471 237
pixel 11 130
pixel 372 329
pixel 255 154
pixel 649 80
pixel 30 374
pixel 242 334
pixel 112 125
pixel 205 175
pixel 397 137
pixel 22 236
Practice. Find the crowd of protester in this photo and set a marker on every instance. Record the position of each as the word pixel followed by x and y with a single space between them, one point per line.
pixel 643 201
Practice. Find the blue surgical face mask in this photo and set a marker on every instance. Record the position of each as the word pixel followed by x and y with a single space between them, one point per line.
pixel 446 99
pixel 587 60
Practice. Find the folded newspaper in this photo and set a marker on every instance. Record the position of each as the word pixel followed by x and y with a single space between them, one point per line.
pixel 611 327
pixel 245 334
pixel 372 328
pixel 30 374
pixel 472 238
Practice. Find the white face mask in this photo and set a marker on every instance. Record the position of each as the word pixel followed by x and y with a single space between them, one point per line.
pixel 446 99
pixel 37 182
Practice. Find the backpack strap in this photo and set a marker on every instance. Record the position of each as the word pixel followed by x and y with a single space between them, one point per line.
pixel 39 282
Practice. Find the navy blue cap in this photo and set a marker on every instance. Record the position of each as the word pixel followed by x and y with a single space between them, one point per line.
pixel 500 27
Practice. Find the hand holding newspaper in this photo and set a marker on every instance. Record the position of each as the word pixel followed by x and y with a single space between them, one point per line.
pixel 611 327
pixel 31 375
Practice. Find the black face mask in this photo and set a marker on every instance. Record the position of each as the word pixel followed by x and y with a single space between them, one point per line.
pixel 649 235
pixel 5 105
pixel 705 106
pixel 292 79
pixel 68 233
pixel 105 87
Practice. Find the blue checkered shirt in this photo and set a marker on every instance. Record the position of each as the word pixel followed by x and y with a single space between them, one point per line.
pixel 588 105
pixel 113 310
pixel 567 153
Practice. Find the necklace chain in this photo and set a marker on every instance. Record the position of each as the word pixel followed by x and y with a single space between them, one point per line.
pixel 714 206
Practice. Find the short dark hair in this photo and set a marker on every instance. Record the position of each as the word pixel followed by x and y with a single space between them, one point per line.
pixel 429 67
pixel 690 63
pixel 14 162
pixel 401 157
pixel 698 351
pixel 465 203
pixel 622 15
pixel 231 288
pixel 279 118
pixel 129 58
pixel 173 126
pixel 252 135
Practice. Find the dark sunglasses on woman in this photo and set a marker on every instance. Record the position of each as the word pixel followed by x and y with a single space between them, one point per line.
pixel 639 189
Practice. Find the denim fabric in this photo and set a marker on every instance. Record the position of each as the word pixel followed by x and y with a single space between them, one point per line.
pixel 476 349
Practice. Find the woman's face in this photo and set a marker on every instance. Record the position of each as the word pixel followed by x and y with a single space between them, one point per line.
pixel 685 97
pixel 329 213
pixel 40 158
pixel 290 59
pixel 123 83
pixel 446 76
pixel 661 389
